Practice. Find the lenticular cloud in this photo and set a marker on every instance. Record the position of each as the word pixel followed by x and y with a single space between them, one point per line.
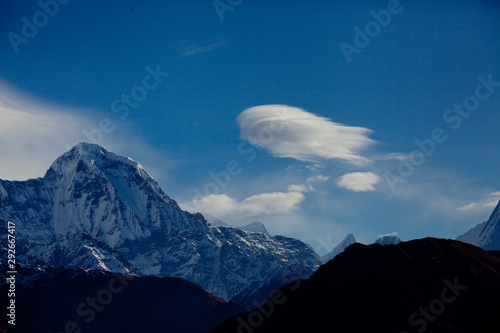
pixel 292 132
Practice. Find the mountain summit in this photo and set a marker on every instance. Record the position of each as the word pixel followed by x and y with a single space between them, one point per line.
pixel 95 209
pixel 348 240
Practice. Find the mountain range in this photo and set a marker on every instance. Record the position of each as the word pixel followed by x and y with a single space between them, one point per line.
pixel 97 210
pixel 349 239
pixel 485 235
pixel 97 217
pixel 426 285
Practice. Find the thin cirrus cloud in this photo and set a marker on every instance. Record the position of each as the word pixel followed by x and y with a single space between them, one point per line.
pixel 490 202
pixel 359 181
pixel 308 185
pixel 193 49
pixel 221 205
pixel 287 131
pixel 33 133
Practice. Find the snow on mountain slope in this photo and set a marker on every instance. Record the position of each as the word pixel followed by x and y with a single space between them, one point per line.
pixel 485 235
pixel 95 209
pixel 388 240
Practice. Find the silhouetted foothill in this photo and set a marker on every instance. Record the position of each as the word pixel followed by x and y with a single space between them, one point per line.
pixel 431 285
pixel 68 300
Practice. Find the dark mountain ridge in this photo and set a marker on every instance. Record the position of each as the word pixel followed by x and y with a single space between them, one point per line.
pixel 431 285
pixel 78 300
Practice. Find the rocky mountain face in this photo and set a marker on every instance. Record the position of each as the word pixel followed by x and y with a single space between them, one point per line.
pixel 94 209
pixel 486 235
pixel 426 285
pixel 77 300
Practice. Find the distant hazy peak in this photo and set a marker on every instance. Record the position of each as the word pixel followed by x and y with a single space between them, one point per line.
pixel 348 240
pixel 252 227
pixel 255 227
pixel 388 240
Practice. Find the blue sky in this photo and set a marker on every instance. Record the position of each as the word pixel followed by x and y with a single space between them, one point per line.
pixel 342 124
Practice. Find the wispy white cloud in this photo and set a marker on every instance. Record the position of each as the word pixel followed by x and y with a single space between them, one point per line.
pixel 391 234
pixel 468 206
pixel 314 167
pixel 393 157
pixel 299 188
pixel 317 179
pixel 472 205
pixel 33 134
pixel 489 202
pixel 221 205
pixel 359 181
pixel 308 187
pixel 193 49
pixel 292 132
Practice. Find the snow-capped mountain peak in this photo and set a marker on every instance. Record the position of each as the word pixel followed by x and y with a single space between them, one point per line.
pixel 94 160
pixel 388 240
pixel 96 209
pixel 486 234
pixel 348 240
